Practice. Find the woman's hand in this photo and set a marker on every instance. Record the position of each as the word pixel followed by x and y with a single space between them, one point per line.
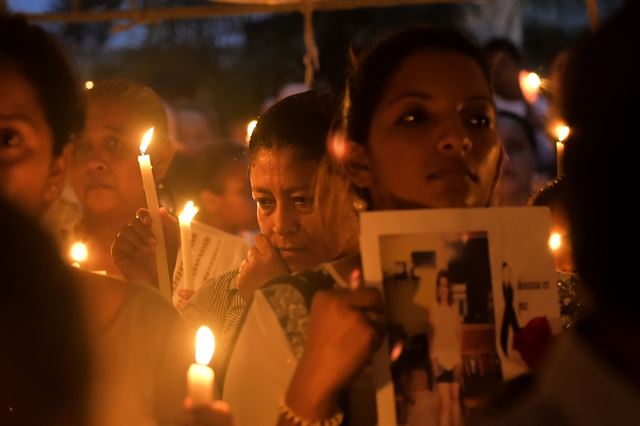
pixel 263 262
pixel 133 250
pixel 345 329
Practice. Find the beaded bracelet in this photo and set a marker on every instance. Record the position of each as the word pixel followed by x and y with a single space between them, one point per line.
pixel 292 417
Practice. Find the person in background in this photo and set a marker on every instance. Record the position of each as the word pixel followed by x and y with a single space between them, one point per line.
pixel 225 192
pixel 592 376
pixel 518 175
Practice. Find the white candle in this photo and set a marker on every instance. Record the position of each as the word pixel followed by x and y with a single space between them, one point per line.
pixel 185 219
pixel 153 206
pixel 561 131
pixel 78 253
pixel 559 158
pixel 201 378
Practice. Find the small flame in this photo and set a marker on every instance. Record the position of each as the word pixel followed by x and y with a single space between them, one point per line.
pixel 396 351
pixel 251 126
pixel 533 81
pixel 205 345
pixel 555 241
pixel 88 84
pixel 561 131
pixel 530 85
pixel 188 212
pixel 79 252
pixel 338 146
pixel 146 140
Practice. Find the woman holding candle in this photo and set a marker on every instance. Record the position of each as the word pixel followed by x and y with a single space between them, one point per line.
pixel 139 348
pixel 420 120
pixel 105 174
pixel 286 157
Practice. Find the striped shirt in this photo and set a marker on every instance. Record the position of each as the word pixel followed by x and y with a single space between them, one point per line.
pixel 219 306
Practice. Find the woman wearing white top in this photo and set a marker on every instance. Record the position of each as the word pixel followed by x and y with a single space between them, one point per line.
pixel 446 346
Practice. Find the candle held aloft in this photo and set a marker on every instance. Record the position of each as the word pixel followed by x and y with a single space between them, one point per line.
pixel 184 219
pixel 153 206
pixel 201 378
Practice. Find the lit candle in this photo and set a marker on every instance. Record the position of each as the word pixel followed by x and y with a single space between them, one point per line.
pixel 78 253
pixel 88 84
pixel 555 241
pixel 251 126
pixel 561 132
pixel 530 85
pixel 185 219
pixel 153 206
pixel 201 378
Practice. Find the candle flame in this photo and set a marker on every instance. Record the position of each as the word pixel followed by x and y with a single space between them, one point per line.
pixel 396 351
pixel 79 252
pixel 251 126
pixel 530 84
pixel 338 146
pixel 88 84
pixel 205 345
pixel 146 140
pixel 555 241
pixel 188 212
pixel 561 131
pixel 533 81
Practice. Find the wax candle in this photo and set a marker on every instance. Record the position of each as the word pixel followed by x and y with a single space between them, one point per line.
pixel 153 206
pixel 184 220
pixel 561 131
pixel 201 378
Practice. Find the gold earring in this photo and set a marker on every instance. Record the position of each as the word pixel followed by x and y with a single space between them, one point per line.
pixel 360 204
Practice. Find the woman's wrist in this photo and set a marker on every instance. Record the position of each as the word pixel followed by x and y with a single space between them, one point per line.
pixel 310 397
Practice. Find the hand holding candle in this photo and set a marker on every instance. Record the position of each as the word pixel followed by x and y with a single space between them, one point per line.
pixel 201 378
pixel 154 211
pixel 185 219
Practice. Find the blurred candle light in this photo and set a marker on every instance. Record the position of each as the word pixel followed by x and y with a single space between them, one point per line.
pixel 200 377
pixel 561 132
pixel 251 126
pixel 555 241
pixel 79 253
pixel 88 84
pixel 186 216
pixel 530 85
pixel 153 206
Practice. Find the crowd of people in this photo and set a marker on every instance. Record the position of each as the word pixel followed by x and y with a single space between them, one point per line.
pixel 427 120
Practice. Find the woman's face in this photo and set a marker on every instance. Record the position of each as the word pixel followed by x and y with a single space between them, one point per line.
pixel 283 187
pixel 515 182
pixel 29 172
pixel 443 290
pixel 104 170
pixel 432 139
